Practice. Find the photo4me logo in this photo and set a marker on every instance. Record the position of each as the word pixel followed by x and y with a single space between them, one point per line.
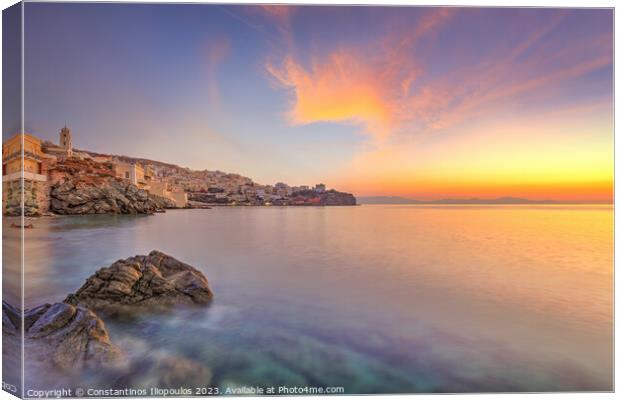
pixel 283 390
pixel 9 387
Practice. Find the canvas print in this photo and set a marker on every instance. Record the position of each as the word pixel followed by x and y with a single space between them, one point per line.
pixel 230 199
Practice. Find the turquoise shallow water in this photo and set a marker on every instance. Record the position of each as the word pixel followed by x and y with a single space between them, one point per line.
pixel 375 299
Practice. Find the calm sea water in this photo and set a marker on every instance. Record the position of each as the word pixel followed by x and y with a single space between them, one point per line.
pixel 371 298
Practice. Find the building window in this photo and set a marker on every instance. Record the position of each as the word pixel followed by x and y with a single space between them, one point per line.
pixel 127 175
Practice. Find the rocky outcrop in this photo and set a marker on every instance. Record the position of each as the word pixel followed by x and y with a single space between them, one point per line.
pixel 335 198
pixel 60 336
pixel 153 280
pixel 111 196
pixel 88 187
pixel 65 341
pixel 162 202
pixel 332 197
pixel 68 339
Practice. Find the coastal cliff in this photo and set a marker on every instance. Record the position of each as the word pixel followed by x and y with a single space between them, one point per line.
pixel 87 187
pixel 325 198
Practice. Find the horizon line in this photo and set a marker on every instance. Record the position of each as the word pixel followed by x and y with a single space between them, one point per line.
pixel 503 200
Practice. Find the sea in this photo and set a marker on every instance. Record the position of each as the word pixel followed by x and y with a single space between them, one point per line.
pixel 356 300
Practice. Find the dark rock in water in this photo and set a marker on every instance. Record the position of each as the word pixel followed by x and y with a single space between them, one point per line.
pixel 60 336
pixel 88 187
pixel 106 196
pixel 162 202
pixel 153 280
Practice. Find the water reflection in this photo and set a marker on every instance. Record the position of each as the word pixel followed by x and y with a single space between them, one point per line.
pixel 375 298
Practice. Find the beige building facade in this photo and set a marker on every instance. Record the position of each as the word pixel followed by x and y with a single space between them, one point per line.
pixel 160 188
pixel 24 180
pixel 132 172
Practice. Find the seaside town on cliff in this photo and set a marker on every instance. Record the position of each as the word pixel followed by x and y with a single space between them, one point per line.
pixel 69 336
pixel 59 179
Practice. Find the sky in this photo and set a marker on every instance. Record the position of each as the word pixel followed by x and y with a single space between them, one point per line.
pixel 420 102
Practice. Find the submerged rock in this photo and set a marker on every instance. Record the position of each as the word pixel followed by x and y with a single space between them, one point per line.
pixel 60 336
pixel 153 280
pixel 165 370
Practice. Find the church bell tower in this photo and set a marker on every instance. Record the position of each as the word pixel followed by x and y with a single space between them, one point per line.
pixel 66 142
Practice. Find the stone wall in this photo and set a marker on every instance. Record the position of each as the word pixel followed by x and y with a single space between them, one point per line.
pixel 36 200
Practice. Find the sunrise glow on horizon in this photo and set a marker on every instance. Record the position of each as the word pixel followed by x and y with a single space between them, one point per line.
pixel 420 102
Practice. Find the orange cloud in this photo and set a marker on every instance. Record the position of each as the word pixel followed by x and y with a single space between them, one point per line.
pixel 385 88
pixel 352 86
pixel 339 89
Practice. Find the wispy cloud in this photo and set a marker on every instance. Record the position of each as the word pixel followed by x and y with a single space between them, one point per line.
pixel 338 89
pixel 216 50
pixel 351 86
pixel 388 88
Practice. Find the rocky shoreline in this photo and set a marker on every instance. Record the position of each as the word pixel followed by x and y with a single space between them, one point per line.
pixel 87 187
pixel 112 196
pixel 81 187
pixel 61 180
pixel 70 336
